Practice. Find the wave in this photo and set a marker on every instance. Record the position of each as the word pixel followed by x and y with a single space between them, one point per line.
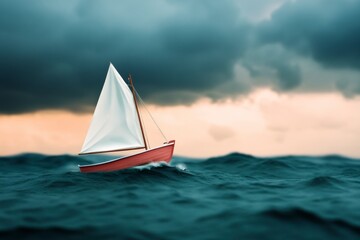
pixel 57 232
pixel 63 171
pixel 42 233
pixel 335 157
pixel 323 181
pixel 274 164
pixel 300 216
pixel 230 197
pixel 163 170
pixel 226 160
pixel 232 158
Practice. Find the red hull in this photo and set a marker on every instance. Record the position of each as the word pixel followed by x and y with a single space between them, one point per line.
pixel 159 154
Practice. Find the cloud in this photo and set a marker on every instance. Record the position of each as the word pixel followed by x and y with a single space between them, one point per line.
pixel 275 64
pixel 328 31
pixel 322 33
pixel 220 133
pixel 54 55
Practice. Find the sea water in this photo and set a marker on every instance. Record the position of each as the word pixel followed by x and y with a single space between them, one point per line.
pixel 230 197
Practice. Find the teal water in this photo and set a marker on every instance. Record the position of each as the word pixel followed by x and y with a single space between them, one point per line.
pixel 231 197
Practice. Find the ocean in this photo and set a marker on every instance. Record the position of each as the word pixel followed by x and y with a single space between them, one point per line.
pixel 236 196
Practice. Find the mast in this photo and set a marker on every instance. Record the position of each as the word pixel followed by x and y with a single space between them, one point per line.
pixel 137 110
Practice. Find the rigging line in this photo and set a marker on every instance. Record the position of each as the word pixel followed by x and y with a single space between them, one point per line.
pixel 143 103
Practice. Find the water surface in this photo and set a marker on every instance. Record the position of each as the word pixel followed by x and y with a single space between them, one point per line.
pixel 231 197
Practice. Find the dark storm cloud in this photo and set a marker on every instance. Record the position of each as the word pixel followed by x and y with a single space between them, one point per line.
pixel 267 60
pixel 328 31
pixel 56 54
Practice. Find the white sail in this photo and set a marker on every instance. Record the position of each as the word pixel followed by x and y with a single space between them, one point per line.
pixel 115 124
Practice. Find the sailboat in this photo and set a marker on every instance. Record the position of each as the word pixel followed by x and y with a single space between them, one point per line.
pixel 117 126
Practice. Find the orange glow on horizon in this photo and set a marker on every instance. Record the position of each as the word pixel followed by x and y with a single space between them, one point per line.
pixel 264 123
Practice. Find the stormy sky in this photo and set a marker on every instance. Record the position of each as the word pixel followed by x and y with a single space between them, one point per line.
pixel 55 54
